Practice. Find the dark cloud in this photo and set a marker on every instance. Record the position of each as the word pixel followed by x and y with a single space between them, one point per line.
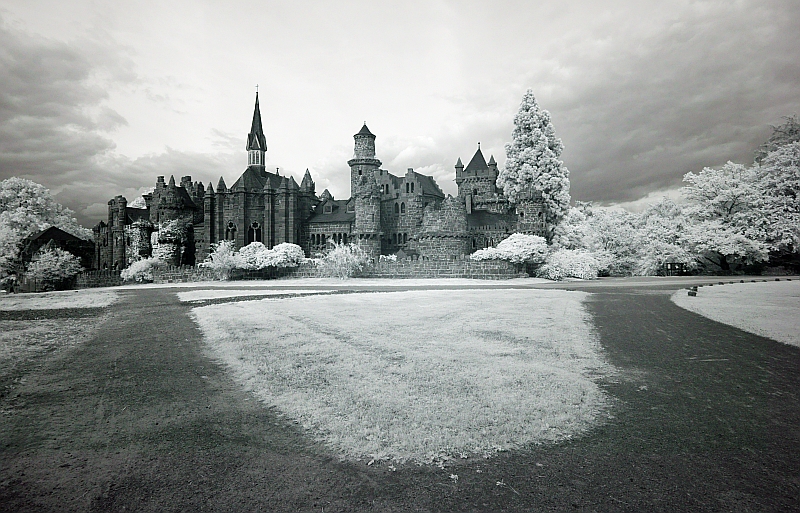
pixel 55 128
pixel 698 92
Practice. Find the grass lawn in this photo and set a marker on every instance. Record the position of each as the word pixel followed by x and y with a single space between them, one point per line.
pixel 770 309
pixel 418 376
pixel 85 298
pixel 201 295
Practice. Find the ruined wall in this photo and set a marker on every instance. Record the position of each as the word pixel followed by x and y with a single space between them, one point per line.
pixel 444 234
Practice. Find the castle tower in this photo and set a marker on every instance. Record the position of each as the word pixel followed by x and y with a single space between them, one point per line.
pixel 363 165
pixel 364 189
pixel 256 141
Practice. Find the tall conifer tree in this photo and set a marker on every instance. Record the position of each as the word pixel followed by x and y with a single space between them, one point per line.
pixel 532 166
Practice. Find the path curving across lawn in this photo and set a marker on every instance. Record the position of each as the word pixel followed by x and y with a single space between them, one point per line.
pixel 704 417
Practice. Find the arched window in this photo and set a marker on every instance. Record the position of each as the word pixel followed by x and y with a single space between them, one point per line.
pixel 407 186
pixel 405 238
pixel 412 186
pixel 254 233
pixel 396 208
pixel 402 208
pixel 394 239
pixel 474 192
pixel 344 238
pixel 230 231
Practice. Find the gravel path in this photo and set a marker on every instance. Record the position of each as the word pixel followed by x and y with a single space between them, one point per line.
pixel 138 418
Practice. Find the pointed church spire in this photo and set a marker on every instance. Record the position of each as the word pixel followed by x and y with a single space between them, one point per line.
pixel 256 140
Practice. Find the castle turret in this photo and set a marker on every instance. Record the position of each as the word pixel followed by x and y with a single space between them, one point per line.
pixel 256 141
pixel 363 165
pixel 366 193
pixel 307 185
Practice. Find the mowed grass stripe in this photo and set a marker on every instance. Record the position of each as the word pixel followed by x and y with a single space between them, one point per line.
pixel 418 375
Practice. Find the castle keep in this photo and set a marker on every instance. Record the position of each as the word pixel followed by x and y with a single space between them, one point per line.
pixel 386 213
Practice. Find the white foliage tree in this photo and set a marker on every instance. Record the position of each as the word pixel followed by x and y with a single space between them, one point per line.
pixel 222 259
pixel 569 263
pixel 27 207
pixel 518 248
pixel 343 261
pixel 781 184
pixel 532 165
pixel 53 265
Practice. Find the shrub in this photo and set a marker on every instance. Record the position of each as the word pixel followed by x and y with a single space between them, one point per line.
pixel 569 263
pixel 284 254
pixel 343 261
pixel 518 248
pixel 222 260
pixel 53 265
pixel 140 271
pixel 256 256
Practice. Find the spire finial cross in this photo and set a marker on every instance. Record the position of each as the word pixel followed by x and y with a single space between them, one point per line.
pixel 479 145
pixel 256 88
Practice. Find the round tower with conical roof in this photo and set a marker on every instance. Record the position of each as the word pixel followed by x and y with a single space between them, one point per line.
pixel 364 189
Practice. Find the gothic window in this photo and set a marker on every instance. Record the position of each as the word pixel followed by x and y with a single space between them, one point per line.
pixel 387 188
pixel 474 244
pixel 412 186
pixel 344 238
pixel 230 231
pixel 396 208
pixel 402 208
pixel 359 172
pixel 405 238
pixel 474 192
pixel 407 186
pixel 254 233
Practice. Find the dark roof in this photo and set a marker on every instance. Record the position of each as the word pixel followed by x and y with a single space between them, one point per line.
pixel 483 218
pixel 339 213
pixel 429 185
pixel 492 161
pixel 365 131
pixel 134 214
pixel 478 163
pixel 459 164
pixel 52 233
pixel 256 139
pixel 254 178
pixel 185 199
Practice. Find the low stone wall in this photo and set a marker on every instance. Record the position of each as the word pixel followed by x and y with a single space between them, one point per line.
pixel 459 268
pixel 183 274
pixel 404 268
pixel 102 278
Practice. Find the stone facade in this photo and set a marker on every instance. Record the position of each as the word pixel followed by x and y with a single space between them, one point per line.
pixel 385 214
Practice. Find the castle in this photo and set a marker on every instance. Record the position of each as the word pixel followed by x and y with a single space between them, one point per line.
pixel 386 214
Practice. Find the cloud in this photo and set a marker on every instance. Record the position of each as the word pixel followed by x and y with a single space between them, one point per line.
pixel 638 112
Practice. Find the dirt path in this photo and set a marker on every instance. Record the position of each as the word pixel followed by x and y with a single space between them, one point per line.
pixel 708 418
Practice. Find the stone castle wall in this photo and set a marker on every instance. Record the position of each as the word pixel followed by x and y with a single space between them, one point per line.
pixel 93 279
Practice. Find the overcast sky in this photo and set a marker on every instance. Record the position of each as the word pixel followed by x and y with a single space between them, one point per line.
pixel 98 98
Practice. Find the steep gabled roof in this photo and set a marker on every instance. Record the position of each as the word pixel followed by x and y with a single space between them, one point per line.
pixel 52 233
pixel 251 179
pixel 135 214
pixel 429 185
pixel 478 163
